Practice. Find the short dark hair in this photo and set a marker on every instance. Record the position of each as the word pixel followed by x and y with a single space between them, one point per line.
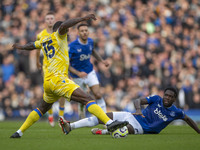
pixel 56 25
pixel 50 13
pixel 82 24
pixel 173 89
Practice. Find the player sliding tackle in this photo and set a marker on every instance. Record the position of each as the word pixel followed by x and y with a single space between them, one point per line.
pixel 56 82
pixel 154 118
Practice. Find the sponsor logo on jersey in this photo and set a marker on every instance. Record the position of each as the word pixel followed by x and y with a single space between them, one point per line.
pixel 172 113
pixel 79 50
pixel 160 115
pixel 84 57
pixel 159 105
pixel 47 38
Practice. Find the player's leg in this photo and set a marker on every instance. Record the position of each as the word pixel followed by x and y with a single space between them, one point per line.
pixel 98 96
pixel 81 111
pixel 81 107
pixel 93 121
pixel 32 118
pixel 61 106
pixel 86 122
pixel 93 83
pixel 71 91
pixel 46 104
pixel 61 111
pixel 50 117
pixel 80 96
pixel 133 127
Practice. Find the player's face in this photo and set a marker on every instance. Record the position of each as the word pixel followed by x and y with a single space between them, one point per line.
pixel 168 98
pixel 83 32
pixel 50 20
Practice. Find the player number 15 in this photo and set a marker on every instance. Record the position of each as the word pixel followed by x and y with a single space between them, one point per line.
pixel 49 49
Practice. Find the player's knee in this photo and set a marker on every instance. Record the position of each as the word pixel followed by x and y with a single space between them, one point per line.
pixel 44 107
pixel 87 99
pixel 130 129
pixel 62 102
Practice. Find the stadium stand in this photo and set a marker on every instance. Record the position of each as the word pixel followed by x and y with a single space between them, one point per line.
pixel 149 44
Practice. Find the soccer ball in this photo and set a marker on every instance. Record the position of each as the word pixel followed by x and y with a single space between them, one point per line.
pixel 120 133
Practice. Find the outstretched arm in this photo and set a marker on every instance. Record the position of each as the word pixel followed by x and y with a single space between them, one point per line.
pixel 71 22
pixel 137 103
pixel 191 123
pixel 99 58
pixel 28 46
pixel 76 72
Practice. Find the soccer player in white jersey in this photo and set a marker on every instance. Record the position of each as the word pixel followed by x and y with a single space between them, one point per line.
pixel 81 69
pixel 49 22
pixel 152 120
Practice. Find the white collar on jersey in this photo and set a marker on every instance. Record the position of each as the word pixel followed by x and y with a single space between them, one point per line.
pixel 81 42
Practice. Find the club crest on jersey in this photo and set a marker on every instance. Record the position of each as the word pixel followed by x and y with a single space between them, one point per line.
pixel 79 50
pixel 160 115
pixel 159 105
pixel 172 113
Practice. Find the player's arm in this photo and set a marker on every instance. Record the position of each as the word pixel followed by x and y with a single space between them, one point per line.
pixel 28 46
pixel 191 123
pixel 63 29
pixel 137 103
pixel 39 66
pixel 76 72
pixel 99 58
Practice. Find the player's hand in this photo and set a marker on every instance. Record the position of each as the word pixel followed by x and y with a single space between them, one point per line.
pixel 105 62
pixel 82 74
pixel 138 112
pixel 16 46
pixel 39 66
pixel 90 16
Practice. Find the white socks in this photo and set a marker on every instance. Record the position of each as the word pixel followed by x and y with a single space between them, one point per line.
pixel 20 132
pixel 109 122
pixel 86 122
pixel 105 131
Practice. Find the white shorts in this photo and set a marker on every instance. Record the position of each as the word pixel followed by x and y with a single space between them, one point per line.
pixel 90 80
pixel 127 116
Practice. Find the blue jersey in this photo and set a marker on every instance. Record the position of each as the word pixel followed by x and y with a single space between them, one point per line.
pixel 80 54
pixel 157 117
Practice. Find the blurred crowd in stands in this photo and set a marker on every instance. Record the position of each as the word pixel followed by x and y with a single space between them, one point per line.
pixel 150 44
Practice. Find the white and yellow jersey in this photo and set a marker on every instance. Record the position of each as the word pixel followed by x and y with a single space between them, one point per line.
pixel 55 50
pixel 43 33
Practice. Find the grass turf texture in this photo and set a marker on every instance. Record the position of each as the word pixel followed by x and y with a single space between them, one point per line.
pixel 43 137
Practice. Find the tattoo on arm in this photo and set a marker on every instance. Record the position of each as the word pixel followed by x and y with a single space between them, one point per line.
pixel 28 46
pixel 69 23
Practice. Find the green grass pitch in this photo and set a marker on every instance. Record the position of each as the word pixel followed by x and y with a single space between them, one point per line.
pixel 43 137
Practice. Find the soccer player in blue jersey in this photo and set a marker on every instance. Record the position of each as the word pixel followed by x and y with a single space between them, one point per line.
pixel 152 120
pixel 81 69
